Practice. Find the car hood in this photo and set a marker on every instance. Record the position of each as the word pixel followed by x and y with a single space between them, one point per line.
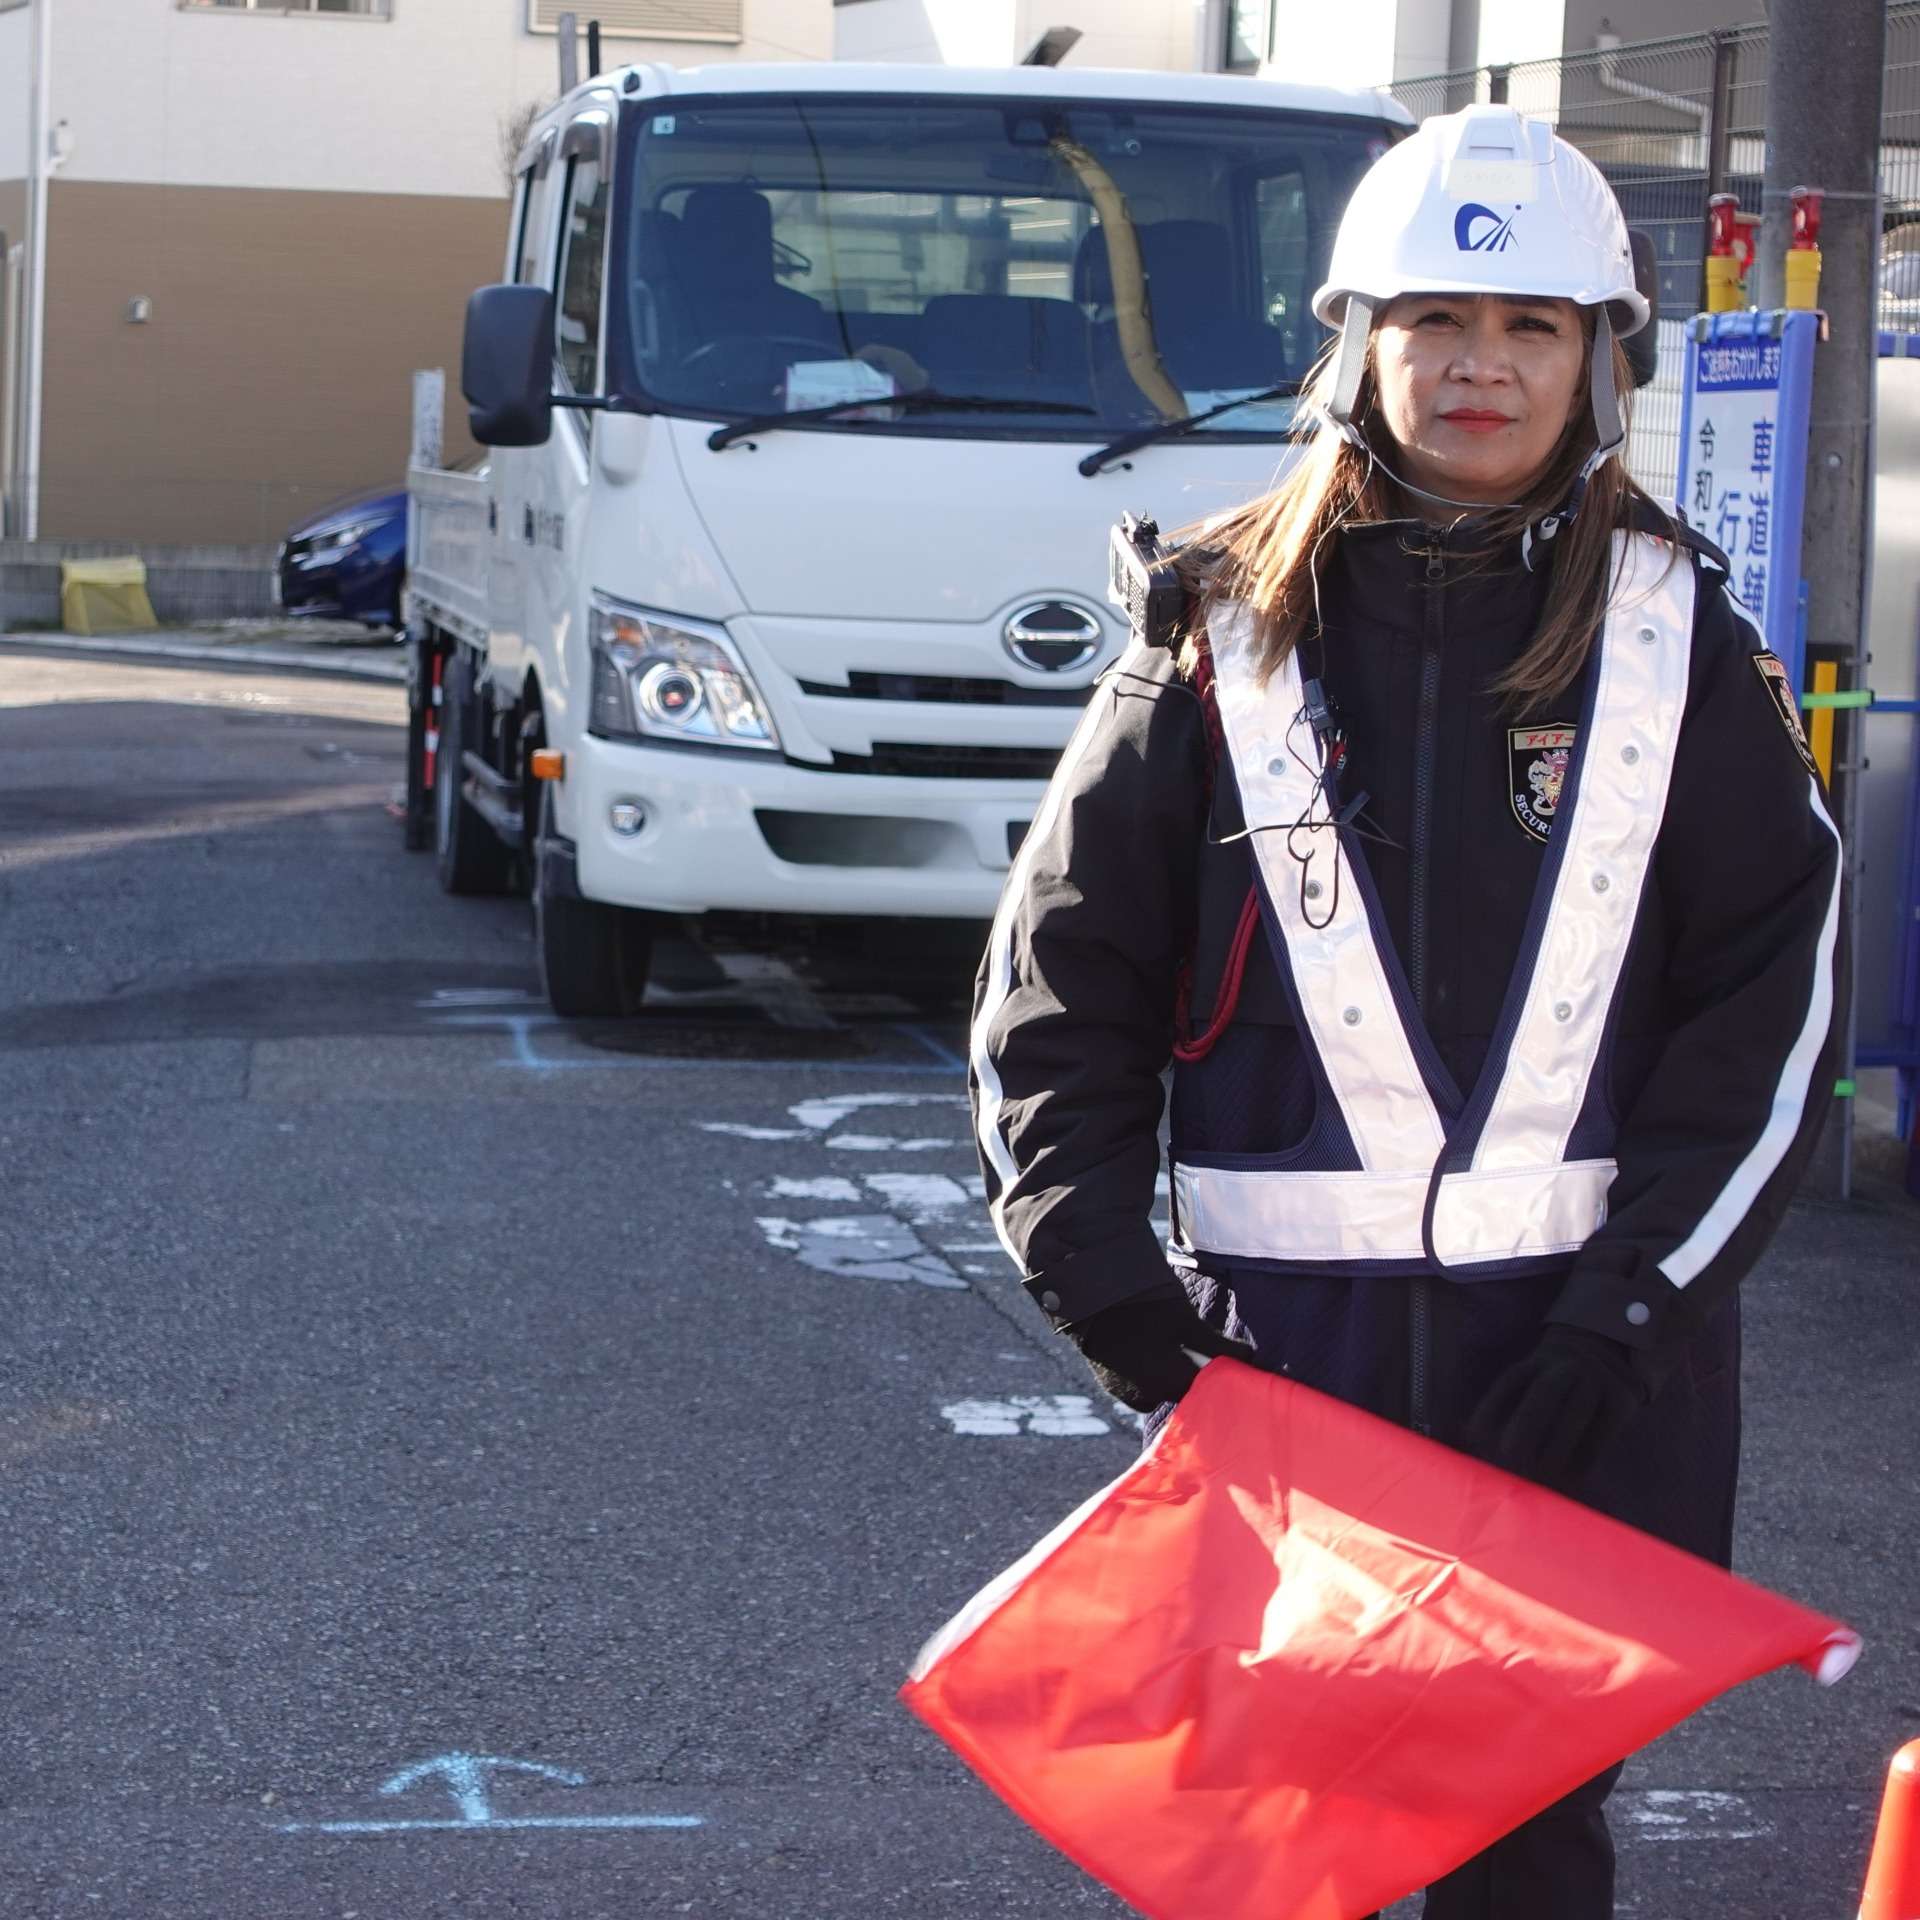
pixel 381 502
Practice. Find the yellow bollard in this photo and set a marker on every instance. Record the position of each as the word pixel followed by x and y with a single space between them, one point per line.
pixel 1826 677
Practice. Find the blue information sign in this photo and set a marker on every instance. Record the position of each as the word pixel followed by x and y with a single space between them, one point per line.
pixel 1743 458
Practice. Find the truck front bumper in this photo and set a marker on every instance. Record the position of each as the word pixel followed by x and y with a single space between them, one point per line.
pixel 740 832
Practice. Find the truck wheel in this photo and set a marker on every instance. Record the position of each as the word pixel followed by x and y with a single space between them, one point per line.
pixel 593 957
pixel 422 722
pixel 471 858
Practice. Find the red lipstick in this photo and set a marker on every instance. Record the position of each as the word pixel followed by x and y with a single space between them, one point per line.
pixel 1477 420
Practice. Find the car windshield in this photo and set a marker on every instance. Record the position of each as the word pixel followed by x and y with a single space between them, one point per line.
pixel 1102 266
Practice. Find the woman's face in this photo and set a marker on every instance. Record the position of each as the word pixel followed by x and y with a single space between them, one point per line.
pixel 1476 389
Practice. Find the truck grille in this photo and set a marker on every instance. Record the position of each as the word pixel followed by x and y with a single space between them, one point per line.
pixel 915 762
pixel 935 689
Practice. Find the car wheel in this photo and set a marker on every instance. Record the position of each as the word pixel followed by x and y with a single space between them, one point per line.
pixel 593 957
pixel 470 856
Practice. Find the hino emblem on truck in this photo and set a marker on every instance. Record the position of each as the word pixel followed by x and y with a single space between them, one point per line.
pixel 1054 636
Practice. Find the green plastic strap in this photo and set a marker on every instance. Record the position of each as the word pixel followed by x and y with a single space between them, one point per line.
pixel 1844 1089
pixel 1853 697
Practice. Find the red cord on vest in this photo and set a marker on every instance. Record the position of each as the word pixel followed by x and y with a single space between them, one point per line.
pixel 1228 1002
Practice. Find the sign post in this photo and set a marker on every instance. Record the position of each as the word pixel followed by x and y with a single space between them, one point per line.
pixel 429 414
pixel 1744 412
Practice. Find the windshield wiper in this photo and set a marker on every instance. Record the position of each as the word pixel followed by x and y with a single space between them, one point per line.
pixel 925 400
pixel 1166 429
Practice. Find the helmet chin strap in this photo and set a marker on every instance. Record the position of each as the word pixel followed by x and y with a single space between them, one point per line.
pixel 1609 424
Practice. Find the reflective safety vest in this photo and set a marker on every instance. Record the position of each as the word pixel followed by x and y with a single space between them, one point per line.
pixel 1397 1171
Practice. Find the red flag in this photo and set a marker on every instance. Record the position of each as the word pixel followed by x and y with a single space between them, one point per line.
pixel 1297 1662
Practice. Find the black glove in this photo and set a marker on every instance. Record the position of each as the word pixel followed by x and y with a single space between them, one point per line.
pixel 1139 1349
pixel 1550 1416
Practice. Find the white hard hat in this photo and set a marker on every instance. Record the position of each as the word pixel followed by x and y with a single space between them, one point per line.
pixel 1484 201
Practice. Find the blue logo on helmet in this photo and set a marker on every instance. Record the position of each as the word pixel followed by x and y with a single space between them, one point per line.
pixel 1494 238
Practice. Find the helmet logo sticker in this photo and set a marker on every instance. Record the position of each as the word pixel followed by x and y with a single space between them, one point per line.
pixel 1496 238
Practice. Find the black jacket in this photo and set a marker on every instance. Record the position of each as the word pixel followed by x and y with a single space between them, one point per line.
pixel 1129 876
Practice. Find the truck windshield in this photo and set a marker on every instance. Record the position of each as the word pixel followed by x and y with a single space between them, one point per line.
pixel 1128 263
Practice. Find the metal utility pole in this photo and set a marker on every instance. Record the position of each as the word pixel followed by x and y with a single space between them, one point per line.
pixel 39 159
pixel 1825 66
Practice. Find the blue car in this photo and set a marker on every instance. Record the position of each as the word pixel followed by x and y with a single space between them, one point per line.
pixel 347 561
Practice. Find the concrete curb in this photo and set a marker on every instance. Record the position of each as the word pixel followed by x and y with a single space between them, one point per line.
pixel 237 654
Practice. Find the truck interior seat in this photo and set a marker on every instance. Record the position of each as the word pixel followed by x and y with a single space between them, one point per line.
pixel 1004 344
pixel 725 248
pixel 1208 337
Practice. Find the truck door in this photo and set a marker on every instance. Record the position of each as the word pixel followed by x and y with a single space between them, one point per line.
pixel 558 565
pixel 513 468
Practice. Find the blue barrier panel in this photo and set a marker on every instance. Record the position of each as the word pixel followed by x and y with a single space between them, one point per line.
pixel 1744 405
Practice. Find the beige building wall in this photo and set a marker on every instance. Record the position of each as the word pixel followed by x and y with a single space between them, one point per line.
pixel 273 372
pixel 305 201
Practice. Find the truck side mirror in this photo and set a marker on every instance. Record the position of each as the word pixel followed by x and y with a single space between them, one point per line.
pixel 506 367
pixel 1643 348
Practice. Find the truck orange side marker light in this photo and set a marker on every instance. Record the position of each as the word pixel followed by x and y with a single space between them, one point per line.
pixel 549 763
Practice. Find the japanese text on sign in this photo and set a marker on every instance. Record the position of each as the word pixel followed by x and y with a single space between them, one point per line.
pixel 1730 463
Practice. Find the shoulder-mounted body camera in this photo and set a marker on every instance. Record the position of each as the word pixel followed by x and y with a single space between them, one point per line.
pixel 1145 583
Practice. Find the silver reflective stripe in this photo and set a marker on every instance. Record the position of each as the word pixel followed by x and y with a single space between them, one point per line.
pixel 1258 1214
pixel 1351 1018
pixel 1520 1198
pixel 1626 762
pixel 1517 1212
pixel 1791 1092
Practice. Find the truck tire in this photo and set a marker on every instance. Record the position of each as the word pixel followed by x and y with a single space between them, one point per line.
pixel 416 820
pixel 470 856
pixel 593 957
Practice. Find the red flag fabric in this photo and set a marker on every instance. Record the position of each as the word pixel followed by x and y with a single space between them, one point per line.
pixel 1297 1662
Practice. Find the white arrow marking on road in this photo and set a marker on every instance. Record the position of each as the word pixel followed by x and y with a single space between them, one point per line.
pixel 465 1775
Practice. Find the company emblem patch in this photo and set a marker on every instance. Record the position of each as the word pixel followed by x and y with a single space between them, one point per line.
pixel 1537 760
pixel 1773 674
pixel 1478 229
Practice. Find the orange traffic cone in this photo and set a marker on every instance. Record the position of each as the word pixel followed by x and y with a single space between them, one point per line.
pixel 1893 1876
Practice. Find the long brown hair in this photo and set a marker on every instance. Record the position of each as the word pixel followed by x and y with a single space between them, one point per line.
pixel 1266 554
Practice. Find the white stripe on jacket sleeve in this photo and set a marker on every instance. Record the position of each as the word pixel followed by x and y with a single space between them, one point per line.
pixel 1716 1226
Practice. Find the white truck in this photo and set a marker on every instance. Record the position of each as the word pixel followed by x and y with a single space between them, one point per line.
pixel 811 394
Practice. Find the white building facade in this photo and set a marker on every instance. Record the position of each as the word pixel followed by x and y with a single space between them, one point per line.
pixel 261 215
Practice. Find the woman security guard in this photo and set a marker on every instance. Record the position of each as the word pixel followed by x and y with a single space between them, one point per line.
pixel 1469 863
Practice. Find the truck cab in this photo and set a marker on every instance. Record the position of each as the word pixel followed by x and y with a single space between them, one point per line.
pixel 812 392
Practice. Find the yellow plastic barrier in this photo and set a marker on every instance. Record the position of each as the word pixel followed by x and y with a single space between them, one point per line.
pixel 105 596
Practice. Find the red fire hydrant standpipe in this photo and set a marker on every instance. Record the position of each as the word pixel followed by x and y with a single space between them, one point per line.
pixel 1803 248
pixel 1725 268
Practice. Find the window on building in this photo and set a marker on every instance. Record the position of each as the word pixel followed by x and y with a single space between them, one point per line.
pixel 1249 34
pixel 645 19
pixel 365 9
pixel 583 252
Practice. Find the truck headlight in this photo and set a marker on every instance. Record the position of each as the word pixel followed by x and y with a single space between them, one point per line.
pixel 656 679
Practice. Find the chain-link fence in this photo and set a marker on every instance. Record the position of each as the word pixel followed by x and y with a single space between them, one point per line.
pixel 1670 122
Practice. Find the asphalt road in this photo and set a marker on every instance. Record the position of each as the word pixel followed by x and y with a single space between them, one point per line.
pixel 390 1373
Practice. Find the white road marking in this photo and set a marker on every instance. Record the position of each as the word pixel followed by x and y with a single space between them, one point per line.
pixel 822 1115
pixel 887 1143
pixel 1055 1415
pixel 828 1187
pixel 740 1132
pixel 861 1246
pixel 1667 1814
pixel 920 1196
pixel 776 990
